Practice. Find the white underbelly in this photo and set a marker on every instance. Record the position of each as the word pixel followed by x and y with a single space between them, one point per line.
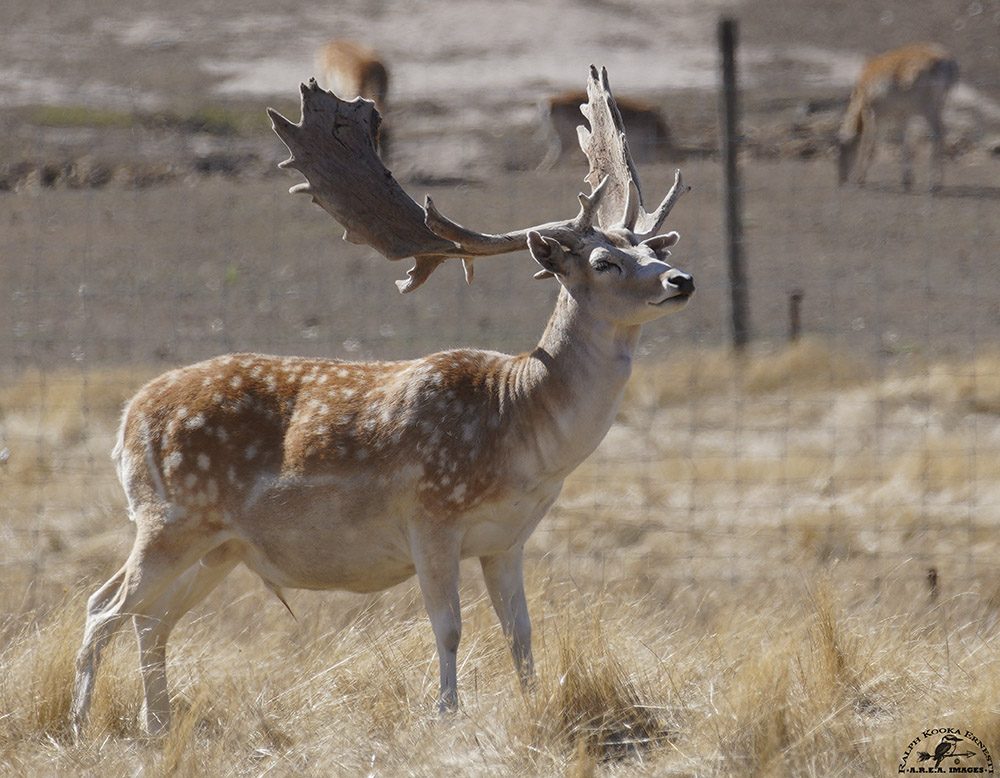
pixel 322 538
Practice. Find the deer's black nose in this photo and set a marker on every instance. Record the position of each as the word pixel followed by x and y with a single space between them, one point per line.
pixel 683 282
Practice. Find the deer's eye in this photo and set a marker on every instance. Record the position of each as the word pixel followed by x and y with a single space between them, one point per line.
pixel 603 266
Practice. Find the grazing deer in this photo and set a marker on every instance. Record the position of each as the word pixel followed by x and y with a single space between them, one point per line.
pixel 649 136
pixel 352 70
pixel 893 88
pixel 324 474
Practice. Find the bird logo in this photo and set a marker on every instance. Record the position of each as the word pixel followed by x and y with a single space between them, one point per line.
pixel 946 747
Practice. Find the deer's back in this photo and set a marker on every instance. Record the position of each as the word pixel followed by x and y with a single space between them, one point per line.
pixel 910 73
pixel 210 436
pixel 648 133
pixel 352 70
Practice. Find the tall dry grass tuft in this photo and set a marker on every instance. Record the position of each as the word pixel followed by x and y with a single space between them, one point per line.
pixel 809 364
pixel 37 682
pixel 66 405
pixel 595 706
pixel 179 753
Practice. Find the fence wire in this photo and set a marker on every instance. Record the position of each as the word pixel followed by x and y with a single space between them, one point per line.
pixel 871 443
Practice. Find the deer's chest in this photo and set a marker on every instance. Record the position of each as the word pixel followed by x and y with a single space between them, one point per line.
pixel 493 529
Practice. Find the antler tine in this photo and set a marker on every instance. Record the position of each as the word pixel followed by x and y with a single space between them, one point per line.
pixel 589 205
pixel 650 224
pixel 480 244
pixel 468 241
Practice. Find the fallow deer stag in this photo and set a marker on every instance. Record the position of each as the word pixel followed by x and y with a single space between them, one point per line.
pixel 354 70
pixel 323 474
pixel 893 89
pixel 351 69
pixel 559 116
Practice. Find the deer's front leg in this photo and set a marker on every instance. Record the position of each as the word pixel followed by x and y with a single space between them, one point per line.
pixel 936 128
pixel 504 576
pixel 436 555
pixel 904 141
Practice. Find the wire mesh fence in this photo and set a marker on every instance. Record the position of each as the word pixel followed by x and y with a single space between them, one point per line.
pixel 872 443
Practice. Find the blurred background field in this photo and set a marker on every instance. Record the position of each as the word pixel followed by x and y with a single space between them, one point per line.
pixel 783 562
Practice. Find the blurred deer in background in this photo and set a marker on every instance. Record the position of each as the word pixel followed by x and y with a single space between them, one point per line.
pixel 325 474
pixel 648 135
pixel 893 89
pixel 350 69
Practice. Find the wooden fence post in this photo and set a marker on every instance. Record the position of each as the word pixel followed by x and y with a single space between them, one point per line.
pixel 732 194
pixel 795 315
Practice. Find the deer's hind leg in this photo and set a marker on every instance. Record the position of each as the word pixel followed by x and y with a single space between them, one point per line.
pixel 152 629
pixel 102 621
pixel 866 152
pixel 436 556
pixel 154 565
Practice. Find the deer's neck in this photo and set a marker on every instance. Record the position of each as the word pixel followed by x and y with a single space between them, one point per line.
pixel 569 387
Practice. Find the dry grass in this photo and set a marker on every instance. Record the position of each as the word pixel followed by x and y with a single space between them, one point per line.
pixel 734 584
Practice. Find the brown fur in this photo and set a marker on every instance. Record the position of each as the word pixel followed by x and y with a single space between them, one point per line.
pixel 894 87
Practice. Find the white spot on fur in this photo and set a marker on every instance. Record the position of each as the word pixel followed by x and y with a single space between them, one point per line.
pixel 195 422
pixel 172 461
pixel 204 462
pixel 236 381
pixel 251 451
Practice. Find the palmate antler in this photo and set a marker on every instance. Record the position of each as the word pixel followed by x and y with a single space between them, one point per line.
pixel 333 146
pixel 607 151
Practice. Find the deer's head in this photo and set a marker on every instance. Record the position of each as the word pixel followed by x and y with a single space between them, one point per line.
pixel 617 274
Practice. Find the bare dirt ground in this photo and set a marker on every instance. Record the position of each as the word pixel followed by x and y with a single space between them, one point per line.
pixel 160 92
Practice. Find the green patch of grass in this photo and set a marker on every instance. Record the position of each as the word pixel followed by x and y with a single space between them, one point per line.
pixel 212 119
pixel 79 116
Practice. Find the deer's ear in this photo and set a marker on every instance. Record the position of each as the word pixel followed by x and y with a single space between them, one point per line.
pixel 548 253
pixel 660 243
